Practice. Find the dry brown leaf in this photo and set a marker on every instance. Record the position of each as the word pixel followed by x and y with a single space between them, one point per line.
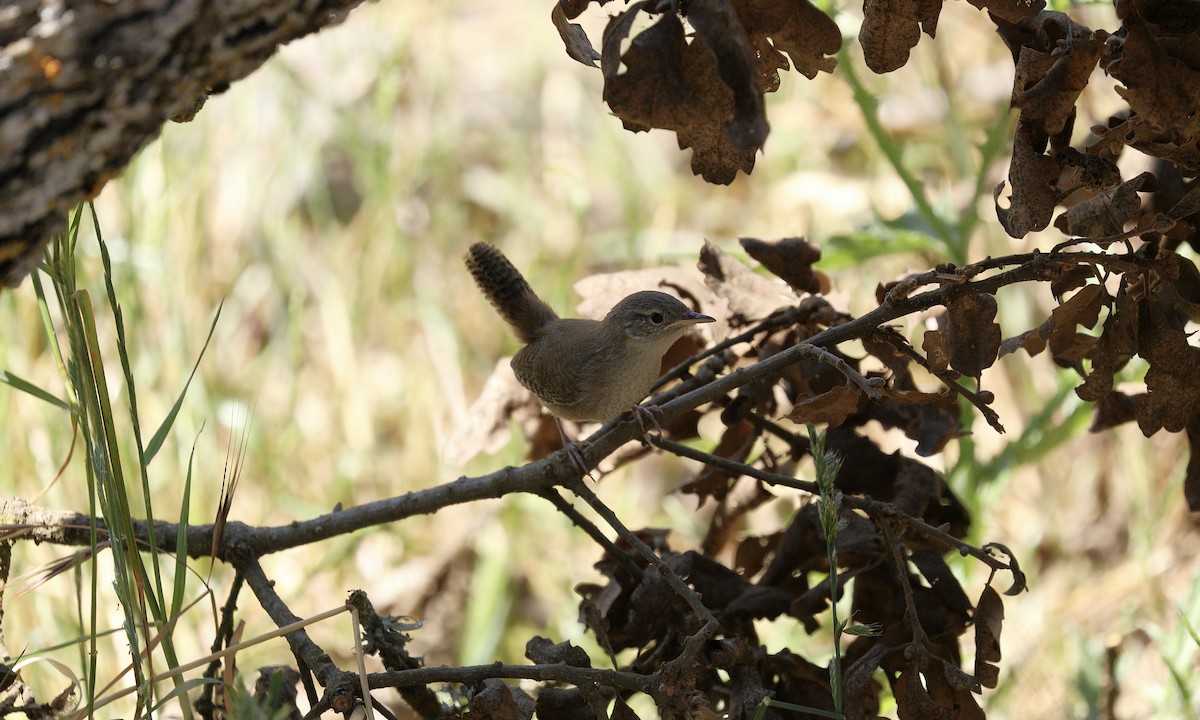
pixel 891 28
pixel 1049 80
pixel 1161 78
pixel 972 333
pixel 1033 176
pixel 1117 344
pixel 1191 480
pixel 487 427
pixel 494 699
pixel 796 27
pixel 1032 341
pixel 575 40
pixel 735 444
pixel 675 85
pixel 1066 344
pixel 750 297
pixel 542 650
pixel 1107 213
pixel 719 27
pixel 1173 380
pixel 790 259
pixel 937 350
pixel 989 619
pixel 1113 409
pixel 832 407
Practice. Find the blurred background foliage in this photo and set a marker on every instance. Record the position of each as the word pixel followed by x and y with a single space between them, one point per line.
pixel 328 199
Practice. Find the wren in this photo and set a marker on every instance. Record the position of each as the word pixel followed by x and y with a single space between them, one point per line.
pixel 582 370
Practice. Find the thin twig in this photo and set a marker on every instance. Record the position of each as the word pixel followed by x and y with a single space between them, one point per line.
pixel 610 548
pixel 900 567
pixel 786 318
pixel 557 672
pixel 822 355
pixel 691 597
pixel 875 508
pixel 894 339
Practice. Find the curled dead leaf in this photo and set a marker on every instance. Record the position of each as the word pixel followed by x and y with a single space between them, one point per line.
pixel 972 333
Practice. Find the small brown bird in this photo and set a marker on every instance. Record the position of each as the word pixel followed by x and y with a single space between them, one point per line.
pixel 585 370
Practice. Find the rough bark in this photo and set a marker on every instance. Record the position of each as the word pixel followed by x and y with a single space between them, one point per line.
pixel 84 85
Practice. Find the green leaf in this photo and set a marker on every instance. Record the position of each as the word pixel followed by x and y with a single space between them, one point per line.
pixel 160 435
pixel 27 387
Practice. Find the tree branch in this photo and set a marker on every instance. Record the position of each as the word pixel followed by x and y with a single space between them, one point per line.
pixel 85 85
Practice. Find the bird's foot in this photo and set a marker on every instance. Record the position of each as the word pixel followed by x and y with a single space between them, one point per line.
pixel 574 451
pixel 648 414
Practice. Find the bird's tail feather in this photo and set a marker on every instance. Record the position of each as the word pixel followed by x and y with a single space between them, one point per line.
pixel 507 291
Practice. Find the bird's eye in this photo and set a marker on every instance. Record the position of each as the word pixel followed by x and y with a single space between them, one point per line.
pixel 656 318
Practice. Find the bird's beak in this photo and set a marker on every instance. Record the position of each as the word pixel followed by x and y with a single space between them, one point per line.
pixel 694 318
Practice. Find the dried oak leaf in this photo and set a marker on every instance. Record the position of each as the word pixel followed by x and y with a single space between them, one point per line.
pixel 798 681
pixel 675 85
pixel 791 260
pixel 940 700
pixel 1066 344
pixel 1117 344
pixel 891 28
pixel 720 28
pixel 1173 380
pixel 1093 173
pixel 1107 213
pixel 1183 290
pixel 1048 80
pixel 487 425
pixel 1113 409
pixel 574 8
pixel 544 651
pixel 1010 10
pixel 861 688
pixel 575 40
pixel 937 350
pixel 752 552
pixel 750 296
pixel 972 333
pixel 739 660
pixel 1160 70
pixel 796 27
pixel 563 704
pixel 735 444
pixel 1191 480
pixel 1067 281
pixel 622 711
pixel 831 407
pixel 1032 341
pixel 1033 177
pixel 932 419
pixel 989 619
pixel 494 699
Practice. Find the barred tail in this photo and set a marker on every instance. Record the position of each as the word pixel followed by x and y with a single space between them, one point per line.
pixel 507 291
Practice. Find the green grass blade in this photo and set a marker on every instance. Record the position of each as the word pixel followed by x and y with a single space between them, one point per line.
pixel 160 435
pixel 18 383
pixel 181 555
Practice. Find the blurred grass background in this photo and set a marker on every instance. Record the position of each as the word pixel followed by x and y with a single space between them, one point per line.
pixel 327 200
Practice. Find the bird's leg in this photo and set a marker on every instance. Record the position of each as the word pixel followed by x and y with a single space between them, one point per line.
pixel 573 450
